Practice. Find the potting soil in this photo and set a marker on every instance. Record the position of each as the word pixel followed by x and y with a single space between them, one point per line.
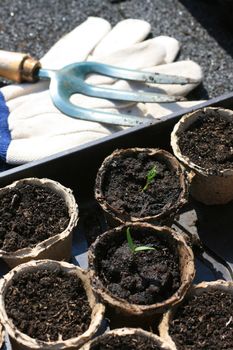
pixel 30 214
pixel 47 305
pixel 125 181
pixel 208 142
pixel 204 322
pixel 126 342
pixel 144 277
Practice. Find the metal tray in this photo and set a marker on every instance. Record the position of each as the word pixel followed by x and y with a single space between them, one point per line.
pixel 77 169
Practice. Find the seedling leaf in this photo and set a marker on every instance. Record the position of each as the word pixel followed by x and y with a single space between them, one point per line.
pixel 142 247
pixel 130 240
pixel 132 246
pixel 150 176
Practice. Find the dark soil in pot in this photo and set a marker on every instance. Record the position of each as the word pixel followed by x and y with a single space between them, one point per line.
pixel 204 322
pixel 208 142
pixel 126 342
pixel 30 214
pixel 125 181
pixel 144 277
pixel 48 305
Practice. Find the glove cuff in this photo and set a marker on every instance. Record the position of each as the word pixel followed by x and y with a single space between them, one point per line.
pixel 5 137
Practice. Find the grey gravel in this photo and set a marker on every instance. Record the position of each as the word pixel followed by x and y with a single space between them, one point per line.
pixel 33 26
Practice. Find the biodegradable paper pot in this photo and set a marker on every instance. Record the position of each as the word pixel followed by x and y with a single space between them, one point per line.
pixel 122 332
pixel 2 336
pixel 22 341
pixel 57 247
pixel 136 314
pixel 115 216
pixel 207 187
pixel 198 289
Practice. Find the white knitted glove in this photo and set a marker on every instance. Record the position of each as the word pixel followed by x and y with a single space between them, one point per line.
pixel 32 127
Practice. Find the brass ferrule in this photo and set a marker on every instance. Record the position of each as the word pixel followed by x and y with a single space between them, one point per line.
pixel 18 67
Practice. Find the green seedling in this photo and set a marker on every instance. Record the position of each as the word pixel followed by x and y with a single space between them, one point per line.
pixel 132 246
pixel 150 177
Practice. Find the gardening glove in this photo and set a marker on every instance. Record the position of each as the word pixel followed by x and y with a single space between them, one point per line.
pixel 32 127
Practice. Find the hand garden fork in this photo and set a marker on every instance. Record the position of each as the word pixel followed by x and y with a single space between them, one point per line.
pixel 71 80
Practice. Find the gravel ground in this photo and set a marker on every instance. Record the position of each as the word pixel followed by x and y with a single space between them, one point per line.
pixel 33 26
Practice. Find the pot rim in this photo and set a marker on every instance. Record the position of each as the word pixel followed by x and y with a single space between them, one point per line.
pixel 67 194
pixel 124 217
pixel 128 331
pixel 138 309
pixel 97 315
pixel 182 125
pixel 196 289
pixel 2 335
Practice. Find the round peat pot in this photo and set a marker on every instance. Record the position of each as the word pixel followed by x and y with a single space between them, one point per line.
pixel 2 336
pixel 46 304
pixel 140 184
pixel 203 320
pixel 203 143
pixel 37 220
pixel 137 284
pixel 127 338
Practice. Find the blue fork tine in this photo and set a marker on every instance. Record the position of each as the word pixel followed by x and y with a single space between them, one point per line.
pixel 135 75
pixel 123 95
pixel 71 79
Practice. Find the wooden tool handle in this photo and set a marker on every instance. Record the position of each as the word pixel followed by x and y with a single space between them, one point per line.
pixel 18 67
